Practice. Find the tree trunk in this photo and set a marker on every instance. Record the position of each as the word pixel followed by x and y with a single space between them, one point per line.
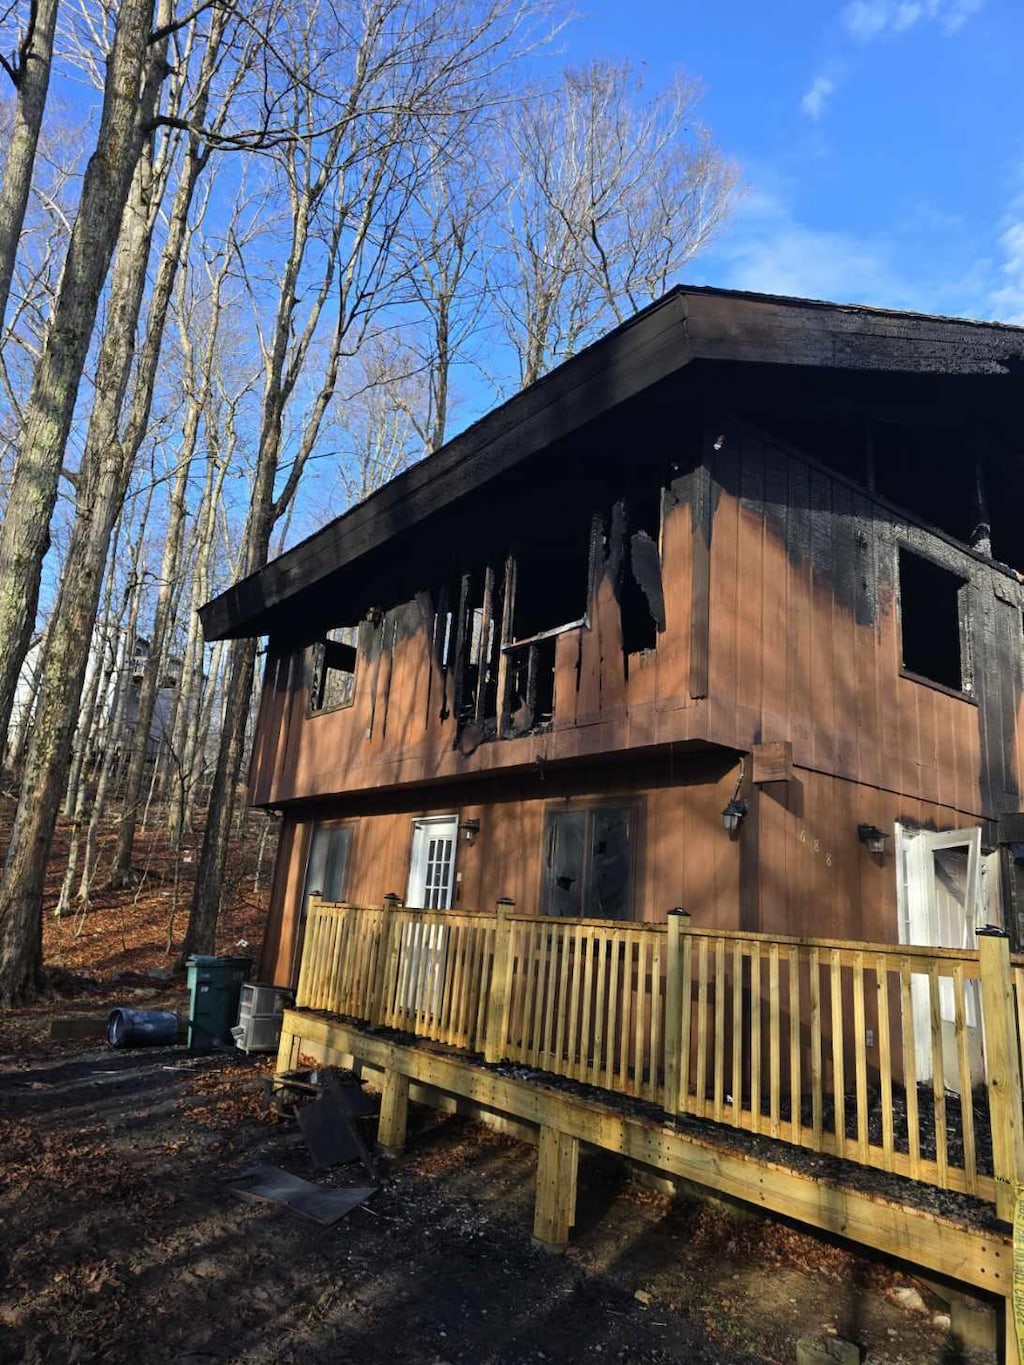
pixel 201 934
pixel 101 483
pixel 33 80
pixel 134 65
pixel 97 688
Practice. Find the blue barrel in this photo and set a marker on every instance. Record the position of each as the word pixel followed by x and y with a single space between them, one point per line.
pixel 142 1028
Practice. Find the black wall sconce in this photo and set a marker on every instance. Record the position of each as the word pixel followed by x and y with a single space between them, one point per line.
pixel 872 838
pixel 736 810
pixel 469 829
pixel 733 815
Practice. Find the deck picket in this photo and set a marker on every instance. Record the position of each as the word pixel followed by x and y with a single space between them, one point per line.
pixel 860 1057
pixel 964 1069
pixel 885 1060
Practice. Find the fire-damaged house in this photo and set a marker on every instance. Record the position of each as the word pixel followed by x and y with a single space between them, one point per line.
pixel 720 614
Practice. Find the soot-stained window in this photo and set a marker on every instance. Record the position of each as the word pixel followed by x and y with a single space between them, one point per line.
pixel 588 863
pixel 932 605
pixel 332 681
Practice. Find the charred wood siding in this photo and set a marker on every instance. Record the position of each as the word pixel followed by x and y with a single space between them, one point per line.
pixel 805 635
pixel 781 608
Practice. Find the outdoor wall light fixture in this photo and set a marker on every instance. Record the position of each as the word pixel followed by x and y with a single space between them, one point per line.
pixel 872 838
pixel 732 816
pixel 469 829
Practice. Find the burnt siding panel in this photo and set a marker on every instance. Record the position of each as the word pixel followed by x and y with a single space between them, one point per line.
pixel 752 642
pixel 726 607
pixel 850 684
pixel 822 630
pixel 869 714
pixel 776 612
pixel 798 642
pixel 1002 687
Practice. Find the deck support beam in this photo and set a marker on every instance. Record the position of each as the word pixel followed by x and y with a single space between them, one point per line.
pixel 555 1210
pixel 394 1113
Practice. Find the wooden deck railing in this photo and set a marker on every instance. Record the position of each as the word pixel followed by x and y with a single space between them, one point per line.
pixel 901 1058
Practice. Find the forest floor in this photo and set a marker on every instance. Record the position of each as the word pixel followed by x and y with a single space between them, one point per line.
pixel 120 1240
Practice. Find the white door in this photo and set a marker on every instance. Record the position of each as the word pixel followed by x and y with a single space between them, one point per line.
pixel 432 865
pixel 431 887
pixel 941 905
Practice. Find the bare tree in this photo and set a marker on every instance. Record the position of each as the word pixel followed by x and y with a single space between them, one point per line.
pixel 396 70
pixel 136 64
pixel 29 70
pixel 609 197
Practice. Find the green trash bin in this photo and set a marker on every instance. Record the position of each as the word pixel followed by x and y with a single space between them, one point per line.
pixel 214 987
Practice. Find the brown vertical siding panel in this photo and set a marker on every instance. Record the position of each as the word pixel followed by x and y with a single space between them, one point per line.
pixel 270 948
pixel 291 901
pixel 592 661
pixel 266 733
pixel 568 649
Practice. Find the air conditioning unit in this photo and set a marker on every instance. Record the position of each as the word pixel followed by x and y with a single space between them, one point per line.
pixel 259 1017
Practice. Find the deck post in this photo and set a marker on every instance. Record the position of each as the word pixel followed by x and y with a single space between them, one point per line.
pixel 1002 1068
pixel 499 999
pixel 394 1112
pixel 555 1209
pixel 678 920
pixel 383 969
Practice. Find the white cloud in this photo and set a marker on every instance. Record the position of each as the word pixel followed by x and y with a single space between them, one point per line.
pixel 822 88
pixel 1008 299
pixel 866 19
pixel 768 250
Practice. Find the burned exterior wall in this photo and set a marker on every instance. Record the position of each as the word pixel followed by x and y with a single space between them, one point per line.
pixel 746 593
pixel 805 634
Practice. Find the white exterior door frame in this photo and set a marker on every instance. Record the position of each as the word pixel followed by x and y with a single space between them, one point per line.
pixel 432 862
pixel 930 917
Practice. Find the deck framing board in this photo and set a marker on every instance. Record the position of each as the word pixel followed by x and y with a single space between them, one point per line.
pixel 978 1258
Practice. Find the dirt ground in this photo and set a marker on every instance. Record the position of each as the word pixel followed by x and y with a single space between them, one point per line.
pixel 119 1242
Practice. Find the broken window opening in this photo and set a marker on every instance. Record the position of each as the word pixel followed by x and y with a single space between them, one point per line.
pixel 588 866
pixel 530 704
pixel 932 621
pixel 332 664
pixel 634 556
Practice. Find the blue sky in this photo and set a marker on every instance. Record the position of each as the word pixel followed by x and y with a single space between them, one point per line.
pixel 881 141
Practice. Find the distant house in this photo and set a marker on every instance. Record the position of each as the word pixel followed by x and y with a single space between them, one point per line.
pixel 720 614
pixel 121 735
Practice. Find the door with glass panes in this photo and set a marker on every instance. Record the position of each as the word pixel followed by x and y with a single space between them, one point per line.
pixel 431 887
pixel 326 871
pixel 945 890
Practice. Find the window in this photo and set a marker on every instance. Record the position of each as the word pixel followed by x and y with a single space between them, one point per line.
pixel 327 865
pixel 932 621
pixel 588 868
pixel 333 670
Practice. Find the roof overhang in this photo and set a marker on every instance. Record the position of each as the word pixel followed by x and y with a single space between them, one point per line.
pixel 686 325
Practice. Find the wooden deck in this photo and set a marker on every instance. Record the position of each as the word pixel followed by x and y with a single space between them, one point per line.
pixel 658 1041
